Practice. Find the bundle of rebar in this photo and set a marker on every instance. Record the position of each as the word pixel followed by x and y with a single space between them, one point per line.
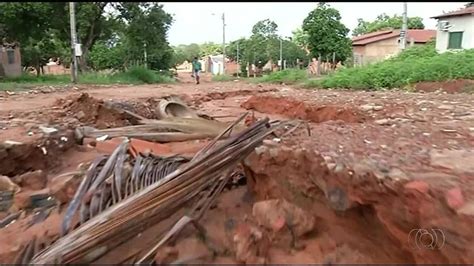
pixel 156 202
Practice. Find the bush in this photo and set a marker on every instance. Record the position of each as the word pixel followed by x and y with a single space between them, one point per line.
pixel 135 75
pixel 141 74
pixel 288 76
pixel 28 78
pixel 414 65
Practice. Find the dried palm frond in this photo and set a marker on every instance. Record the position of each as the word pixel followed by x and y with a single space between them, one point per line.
pixel 123 220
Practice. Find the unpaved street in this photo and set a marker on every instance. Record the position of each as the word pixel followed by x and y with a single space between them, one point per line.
pixel 370 167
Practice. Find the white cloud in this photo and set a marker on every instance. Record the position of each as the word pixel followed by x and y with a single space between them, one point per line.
pixel 195 24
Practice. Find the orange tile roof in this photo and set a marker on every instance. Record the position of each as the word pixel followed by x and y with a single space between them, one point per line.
pixel 461 12
pixel 419 36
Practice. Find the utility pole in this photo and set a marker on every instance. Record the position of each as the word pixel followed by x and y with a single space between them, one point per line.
pixel 72 18
pixel 404 32
pixel 223 43
pixel 281 53
pixel 238 64
pixel 145 55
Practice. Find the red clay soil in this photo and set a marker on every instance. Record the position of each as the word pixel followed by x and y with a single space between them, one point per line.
pixel 91 111
pixel 407 165
pixel 39 153
pixel 451 86
pixel 300 110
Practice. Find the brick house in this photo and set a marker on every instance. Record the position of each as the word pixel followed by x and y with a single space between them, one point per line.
pixel 10 60
pixel 377 46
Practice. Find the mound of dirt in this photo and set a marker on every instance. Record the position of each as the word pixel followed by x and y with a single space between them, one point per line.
pixel 301 110
pixel 91 111
pixel 450 86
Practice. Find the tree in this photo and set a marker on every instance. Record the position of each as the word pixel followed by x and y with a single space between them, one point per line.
pixel 29 24
pixel 265 28
pixel 146 24
pixel 210 48
pixel 301 38
pixel 326 33
pixel 383 21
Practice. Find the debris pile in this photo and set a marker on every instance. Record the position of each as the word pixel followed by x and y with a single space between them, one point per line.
pixel 210 169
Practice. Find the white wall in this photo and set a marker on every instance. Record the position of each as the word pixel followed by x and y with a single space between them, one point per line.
pixel 463 23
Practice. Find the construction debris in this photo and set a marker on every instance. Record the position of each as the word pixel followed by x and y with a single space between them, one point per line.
pixel 140 197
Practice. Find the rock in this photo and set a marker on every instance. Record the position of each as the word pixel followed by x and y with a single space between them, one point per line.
pixel 10 143
pixel 275 214
pixel 382 122
pixel 371 107
pixel 461 161
pixel 454 198
pixel 397 174
pixel 467 209
pixel 419 186
pixel 249 244
pixel 48 130
pixel 166 255
pixel 63 188
pixel 446 107
pixel 33 180
pixel 193 249
pixel 6 184
pixel 80 115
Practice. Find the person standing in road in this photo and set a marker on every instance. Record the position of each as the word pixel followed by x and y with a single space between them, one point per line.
pixel 196 69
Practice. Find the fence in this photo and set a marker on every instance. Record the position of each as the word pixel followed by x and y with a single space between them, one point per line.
pixel 323 65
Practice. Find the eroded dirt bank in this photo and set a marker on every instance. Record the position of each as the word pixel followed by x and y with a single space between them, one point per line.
pixel 351 183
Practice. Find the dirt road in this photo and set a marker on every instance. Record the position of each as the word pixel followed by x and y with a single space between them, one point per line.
pixel 371 167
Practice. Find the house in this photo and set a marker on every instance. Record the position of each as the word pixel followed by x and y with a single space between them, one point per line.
pixel 10 60
pixel 377 46
pixel 214 65
pixel 455 30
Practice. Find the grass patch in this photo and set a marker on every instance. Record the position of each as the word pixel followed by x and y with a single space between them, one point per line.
pixel 414 65
pixel 135 75
pixel 222 78
pixel 288 76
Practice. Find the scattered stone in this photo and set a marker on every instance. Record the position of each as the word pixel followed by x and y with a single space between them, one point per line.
pixel 449 130
pixel 457 160
pixel 397 174
pixel 10 143
pixel 249 244
pixel 166 255
pixel 454 198
pixel 33 180
pixel 6 184
pixel 371 107
pixel 382 122
pixel 48 130
pixel 467 209
pixel 446 107
pixel 63 188
pixel 419 186
pixel 278 213
pixel 80 115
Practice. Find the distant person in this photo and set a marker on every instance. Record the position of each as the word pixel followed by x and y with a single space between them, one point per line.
pixel 196 69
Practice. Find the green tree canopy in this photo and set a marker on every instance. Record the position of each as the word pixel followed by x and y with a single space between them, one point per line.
pixel 384 21
pixel 43 31
pixel 326 33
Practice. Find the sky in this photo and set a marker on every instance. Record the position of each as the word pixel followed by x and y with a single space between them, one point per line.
pixel 194 22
